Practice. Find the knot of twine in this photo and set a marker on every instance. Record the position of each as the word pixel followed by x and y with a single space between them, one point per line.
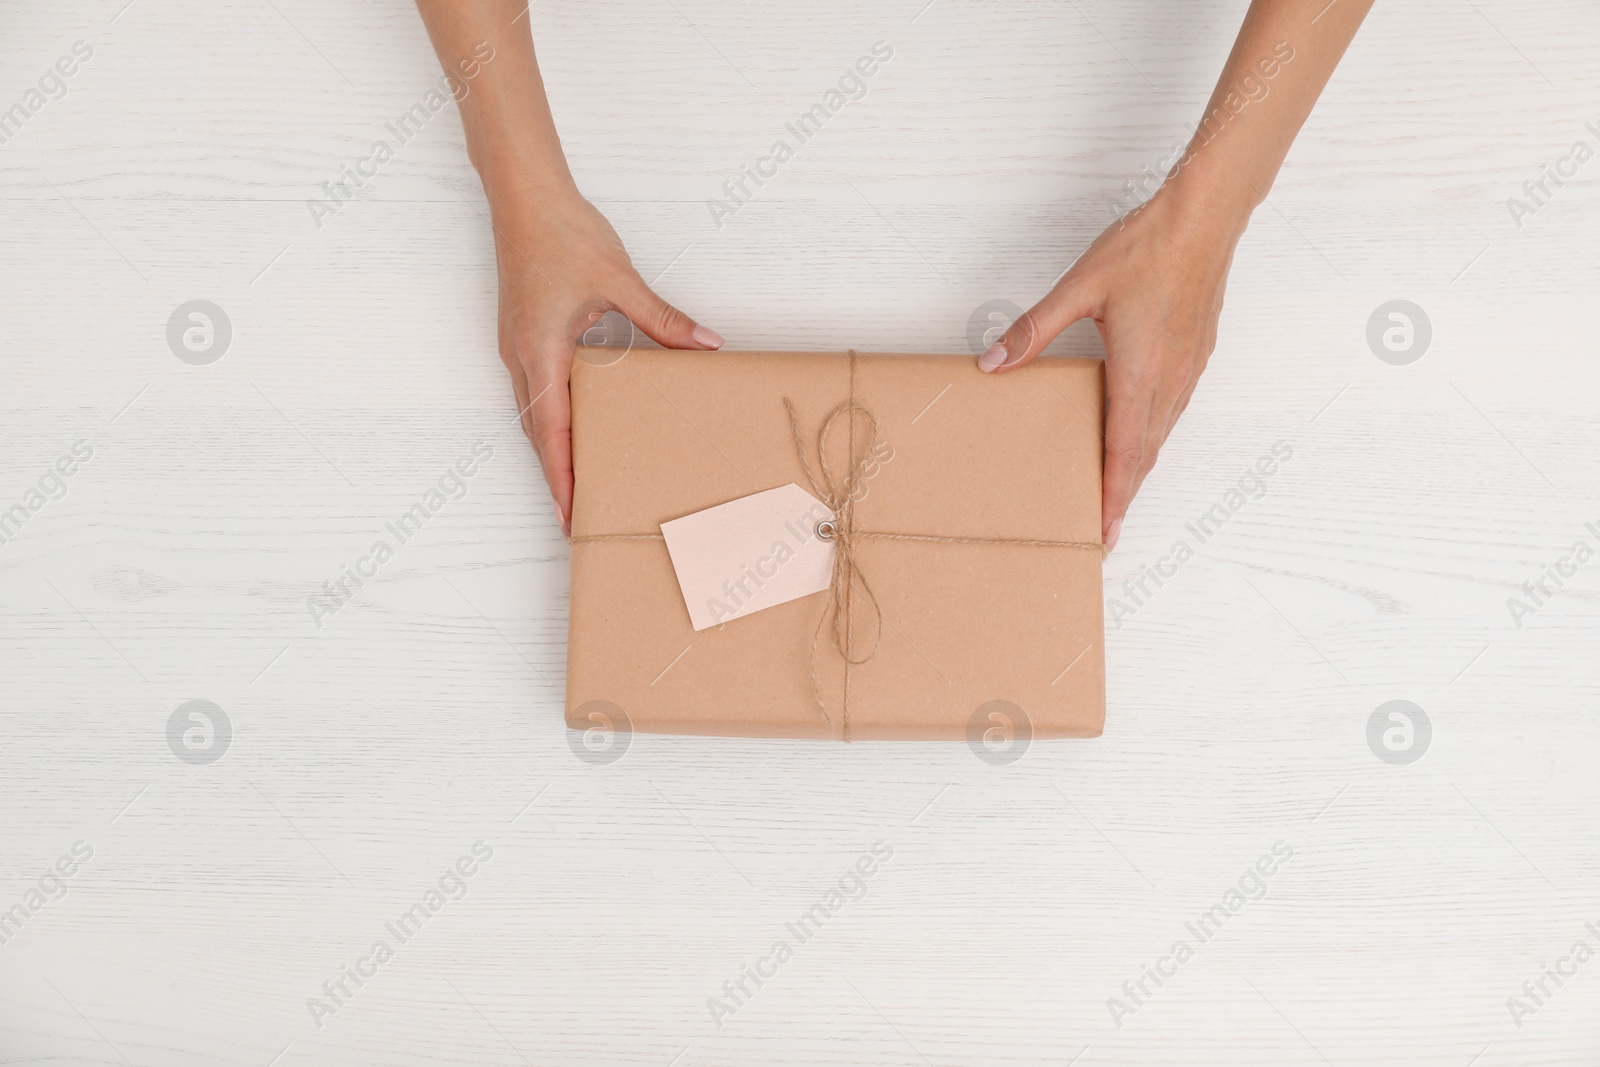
pixel 838 492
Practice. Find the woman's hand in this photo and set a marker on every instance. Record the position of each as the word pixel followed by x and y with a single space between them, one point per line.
pixel 1153 281
pixel 561 264
pixel 1153 284
pixel 561 269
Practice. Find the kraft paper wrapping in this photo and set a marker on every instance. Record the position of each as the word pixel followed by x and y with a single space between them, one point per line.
pixel 967 620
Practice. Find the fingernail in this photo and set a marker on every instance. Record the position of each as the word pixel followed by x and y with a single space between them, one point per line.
pixel 1113 532
pixel 992 358
pixel 709 338
pixel 561 520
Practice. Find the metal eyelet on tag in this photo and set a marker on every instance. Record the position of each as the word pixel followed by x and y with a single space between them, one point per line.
pixel 826 530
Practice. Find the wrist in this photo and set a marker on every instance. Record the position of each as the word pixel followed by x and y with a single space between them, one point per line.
pixel 1218 205
pixel 522 172
pixel 527 201
pixel 523 204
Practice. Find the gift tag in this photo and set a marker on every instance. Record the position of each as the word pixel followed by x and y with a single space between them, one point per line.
pixel 755 552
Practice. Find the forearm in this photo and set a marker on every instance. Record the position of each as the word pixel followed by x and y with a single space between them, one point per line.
pixel 1285 52
pixel 511 135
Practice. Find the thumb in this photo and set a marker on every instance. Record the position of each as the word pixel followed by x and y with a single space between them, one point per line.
pixel 665 324
pixel 1064 305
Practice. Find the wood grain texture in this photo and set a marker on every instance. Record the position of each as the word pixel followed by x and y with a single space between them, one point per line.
pixel 370 753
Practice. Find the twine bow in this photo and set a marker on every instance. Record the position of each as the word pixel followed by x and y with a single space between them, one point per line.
pixel 839 494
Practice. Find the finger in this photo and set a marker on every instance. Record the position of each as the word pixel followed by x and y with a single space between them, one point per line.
pixel 1181 406
pixel 519 386
pixel 1155 440
pixel 1194 379
pixel 1064 305
pixel 1128 420
pixel 525 403
pixel 665 324
pixel 550 414
pixel 1164 417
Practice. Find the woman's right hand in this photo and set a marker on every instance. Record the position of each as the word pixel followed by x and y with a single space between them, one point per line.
pixel 561 264
pixel 561 268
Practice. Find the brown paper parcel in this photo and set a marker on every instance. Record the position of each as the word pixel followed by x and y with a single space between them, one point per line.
pixel 970 547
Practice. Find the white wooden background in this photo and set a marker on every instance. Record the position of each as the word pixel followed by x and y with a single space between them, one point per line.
pixel 368 755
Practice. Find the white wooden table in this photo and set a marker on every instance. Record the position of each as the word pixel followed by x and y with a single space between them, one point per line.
pixel 367 756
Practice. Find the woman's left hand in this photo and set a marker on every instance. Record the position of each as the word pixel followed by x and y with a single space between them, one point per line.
pixel 1153 283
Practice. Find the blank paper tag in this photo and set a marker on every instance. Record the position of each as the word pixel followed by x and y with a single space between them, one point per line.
pixel 752 553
